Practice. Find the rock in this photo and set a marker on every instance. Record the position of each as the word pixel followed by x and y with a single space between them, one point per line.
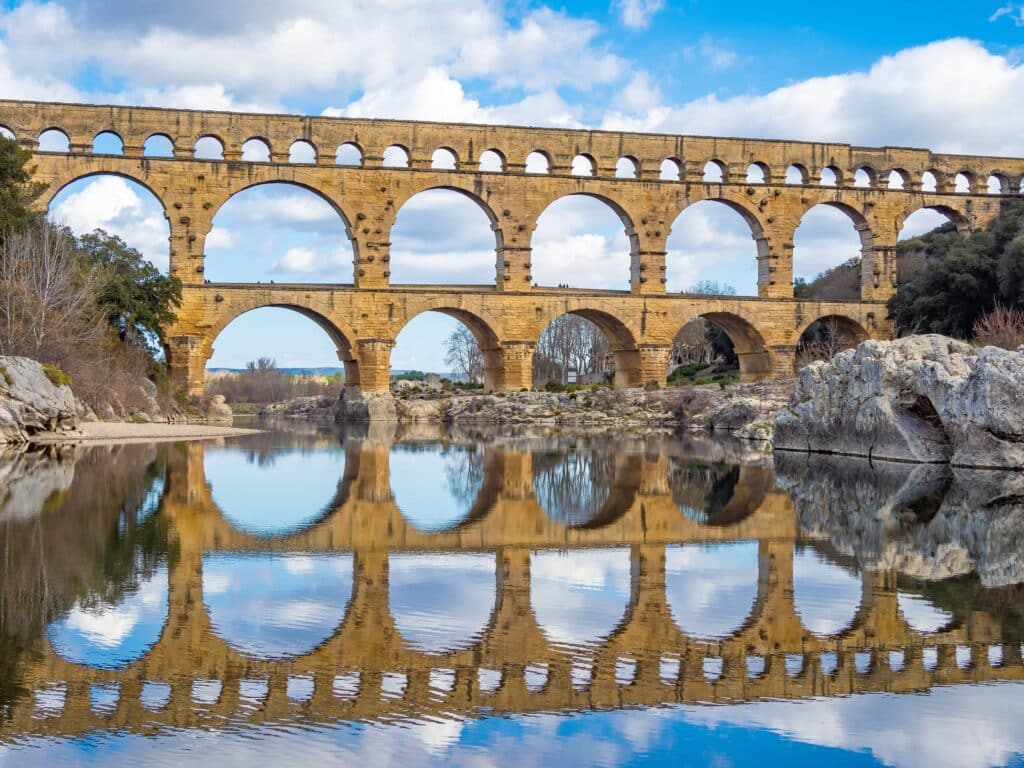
pixel 311 407
pixel 921 398
pixel 356 406
pixel 217 411
pixel 30 481
pixel 31 404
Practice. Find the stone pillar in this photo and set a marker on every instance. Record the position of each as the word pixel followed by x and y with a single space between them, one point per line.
pixel 654 363
pixel 189 225
pixel 510 366
pixel 775 262
pixel 878 270
pixel 782 361
pixel 186 360
pixel 647 272
pixel 513 269
pixel 374 364
pixel 372 259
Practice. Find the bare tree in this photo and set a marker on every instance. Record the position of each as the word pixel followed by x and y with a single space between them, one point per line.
pixel 1001 327
pixel 822 340
pixel 462 353
pixel 571 344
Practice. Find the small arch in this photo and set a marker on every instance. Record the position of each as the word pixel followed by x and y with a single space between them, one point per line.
pixel 827 336
pixel 671 169
pixel 538 162
pixel 256 151
pixel 444 159
pixel 449 339
pixel 209 148
pixel 627 168
pixel 714 172
pixel 348 154
pixel 608 350
pixel 395 156
pixel 963 183
pixel 796 174
pixel 997 184
pixel 585 488
pixel 107 143
pixel 830 176
pixel 54 140
pixel 749 347
pixel 757 173
pixel 302 152
pixel 492 161
pixel 6 133
pixel 898 179
pixel 583 165
pixel 929 182
pixel 865 177
pixel 158 145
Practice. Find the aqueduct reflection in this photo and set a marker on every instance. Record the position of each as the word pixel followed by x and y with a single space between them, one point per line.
pixel 509 653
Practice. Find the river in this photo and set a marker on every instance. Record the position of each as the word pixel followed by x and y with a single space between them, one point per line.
pixel 311 597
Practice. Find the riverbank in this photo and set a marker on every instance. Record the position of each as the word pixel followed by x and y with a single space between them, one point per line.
pixel 101 432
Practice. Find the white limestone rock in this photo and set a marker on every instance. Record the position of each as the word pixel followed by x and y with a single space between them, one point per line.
pixel 921 398
pixel 357 406
pixel 30 403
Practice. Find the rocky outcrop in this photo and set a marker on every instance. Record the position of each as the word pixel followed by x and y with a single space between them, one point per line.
pixel 31 404
pixel 356 406
pixel 312 407
pixel 30 481
pixel 217 411
pixel 921 398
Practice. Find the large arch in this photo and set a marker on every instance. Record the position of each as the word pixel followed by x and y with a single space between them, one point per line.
pixel 283 231
pixel 437 232
pixel 620 339
pixel 565 244
pixel 823 337
pixel 717 235
pixel 484 329
pixel 921 220
pixel 750 347
pixel 585 489
pixel 828 255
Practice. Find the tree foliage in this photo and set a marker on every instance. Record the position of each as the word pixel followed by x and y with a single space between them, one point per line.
pixel 17 191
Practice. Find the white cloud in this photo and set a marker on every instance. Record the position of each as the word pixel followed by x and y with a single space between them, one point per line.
pixel 1014 11
pixel 637 14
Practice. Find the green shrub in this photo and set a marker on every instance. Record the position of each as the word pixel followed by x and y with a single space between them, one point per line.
pixel 6 376
pixel 57 376
pixel 137 418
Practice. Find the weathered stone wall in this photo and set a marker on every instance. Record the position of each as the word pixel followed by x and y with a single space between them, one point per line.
pixel 507 316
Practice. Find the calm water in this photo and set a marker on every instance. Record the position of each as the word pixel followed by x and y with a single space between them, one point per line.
pixel 304 597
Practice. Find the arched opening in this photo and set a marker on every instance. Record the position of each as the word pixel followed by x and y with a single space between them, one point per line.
pixel 492 161
pixel 441 603
pixel 627 168
pixel 435 485
pixel 585 487
pixel 997 185
pixel 580 596
pixel 921 614
pixel 302 152
pixel 348 154
pixel 796 174
pixel 714 172
pixel 827 248
pixel 582 241
pixel 583 165
pixel 395 156
pixel 712 247
pixel 830 177
pixel 107 143
pixel 271 354
pixel 898 178
pixel 925 220
pixel 54 140
pixel 443 236
pixel 538 162
pixel 826 337
pixel 444 350
pixel 711 590
pixel 586 347
pixel 864 178
pixel 118 206
pixel 276 606
pixel 278 233
pixel 963 182
pixel 158 145
pixel 717 494
pixel 444 159
pixel 244 475
pixel 6 132
pixel 209 148
pixel 256 151
pixel 757 173
pixel 718 347
pixel 671 169
pixel 928 182
pixel 826 596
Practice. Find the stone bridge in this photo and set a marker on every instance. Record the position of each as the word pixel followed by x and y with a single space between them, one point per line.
pixel 366 669
pixel 647 179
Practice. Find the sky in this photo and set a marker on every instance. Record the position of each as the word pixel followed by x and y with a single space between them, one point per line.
pixel 944 75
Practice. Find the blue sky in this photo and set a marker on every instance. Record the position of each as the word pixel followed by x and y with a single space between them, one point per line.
pixel 943 75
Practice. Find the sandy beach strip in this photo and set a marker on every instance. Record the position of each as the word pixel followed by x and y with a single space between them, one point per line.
pixel 123 432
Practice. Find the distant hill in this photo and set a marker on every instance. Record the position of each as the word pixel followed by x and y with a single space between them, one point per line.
pixel 324 371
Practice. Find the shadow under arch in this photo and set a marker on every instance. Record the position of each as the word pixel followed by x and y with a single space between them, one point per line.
pixel 561 481
pixel 339 335
pixel 751 349
pixel 718 495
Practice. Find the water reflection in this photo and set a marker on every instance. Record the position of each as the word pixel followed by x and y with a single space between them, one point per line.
pixel 433 588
